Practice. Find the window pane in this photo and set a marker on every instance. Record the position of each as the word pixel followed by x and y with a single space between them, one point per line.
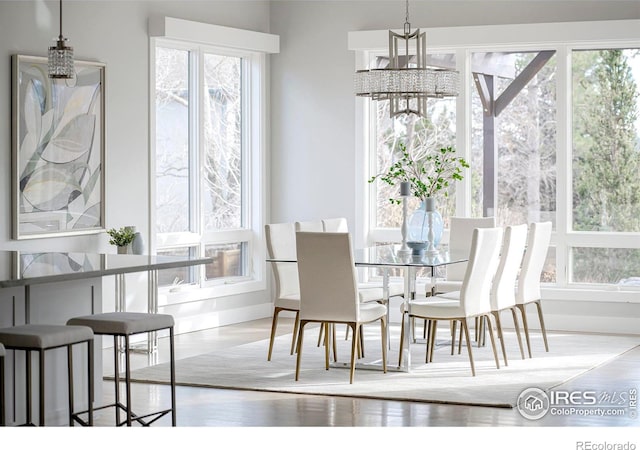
pixel 222 176
pixel 229 260
pixel 606 140
pixel 420 135
pixel 605 265
pixel 523 135
pixel 177 275
pixel 172 140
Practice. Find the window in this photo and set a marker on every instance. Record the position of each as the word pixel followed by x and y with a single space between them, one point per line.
pixel 513 138
pixel 606 163
pixel 209 155
pixel 550 124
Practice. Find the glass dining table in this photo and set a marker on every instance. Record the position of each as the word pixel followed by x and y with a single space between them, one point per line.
pixel 388 257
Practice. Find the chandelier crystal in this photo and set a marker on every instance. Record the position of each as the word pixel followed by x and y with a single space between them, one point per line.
pixel 407 82
pixel 60 61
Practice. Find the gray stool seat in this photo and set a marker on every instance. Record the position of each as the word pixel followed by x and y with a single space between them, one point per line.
pixel 124 323
pixel 40 338
pixel 121 325
pixel 43 337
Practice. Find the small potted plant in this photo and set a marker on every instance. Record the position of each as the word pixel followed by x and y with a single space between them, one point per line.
pixel 122 238
pixel 427 177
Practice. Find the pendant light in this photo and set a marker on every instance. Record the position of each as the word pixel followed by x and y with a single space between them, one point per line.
pixel 61 57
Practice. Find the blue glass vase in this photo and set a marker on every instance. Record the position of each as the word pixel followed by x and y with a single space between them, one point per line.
pixel 426 225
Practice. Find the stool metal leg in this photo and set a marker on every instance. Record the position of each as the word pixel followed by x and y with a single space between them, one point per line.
pixel 28 387
pixel 127 353
pixel 70 382
pixel 116 376
pixel 90 393
pixel 2 402
pixel 41 392
pixel 173 378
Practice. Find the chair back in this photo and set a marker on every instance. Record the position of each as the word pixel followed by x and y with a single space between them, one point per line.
pixel 281 244
pixel 311 225
pixel 503 289
pixel 328 283
pixel 534 256
pixel 481 268
pixel 337 225
pixel 461 230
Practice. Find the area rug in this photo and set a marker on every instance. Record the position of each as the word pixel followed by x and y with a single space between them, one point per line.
pixel 447 379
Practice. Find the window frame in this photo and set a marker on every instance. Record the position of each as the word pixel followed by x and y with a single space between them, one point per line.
pixel 254 151
pixel 463 41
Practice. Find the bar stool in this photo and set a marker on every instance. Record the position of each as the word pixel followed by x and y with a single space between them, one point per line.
pixel 126 324
pixel 40 338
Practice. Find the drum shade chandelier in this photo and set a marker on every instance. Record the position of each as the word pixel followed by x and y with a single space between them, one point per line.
pixel 407 82
pixel 60 64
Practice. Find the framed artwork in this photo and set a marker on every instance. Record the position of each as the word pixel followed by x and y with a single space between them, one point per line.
pixel 58 150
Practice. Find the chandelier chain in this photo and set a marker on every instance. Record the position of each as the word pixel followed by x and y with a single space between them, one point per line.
pixel 407 25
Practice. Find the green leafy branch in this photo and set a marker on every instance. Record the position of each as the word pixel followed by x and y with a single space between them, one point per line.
pixel 427 176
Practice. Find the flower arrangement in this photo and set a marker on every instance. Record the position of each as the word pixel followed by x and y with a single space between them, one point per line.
pixel 122 237
pixel 427 176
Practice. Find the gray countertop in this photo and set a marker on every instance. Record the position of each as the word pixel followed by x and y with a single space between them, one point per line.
pixel 19 268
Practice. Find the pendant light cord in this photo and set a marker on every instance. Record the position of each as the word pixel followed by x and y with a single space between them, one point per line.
pixel 60 36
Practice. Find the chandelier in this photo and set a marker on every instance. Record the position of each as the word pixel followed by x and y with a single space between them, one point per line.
pixel 407 82
pixel 60 64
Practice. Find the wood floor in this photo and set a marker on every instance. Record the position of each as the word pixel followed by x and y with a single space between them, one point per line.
pixel 205 407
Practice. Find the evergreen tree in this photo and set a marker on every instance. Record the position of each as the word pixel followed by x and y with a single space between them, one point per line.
pixel 606 161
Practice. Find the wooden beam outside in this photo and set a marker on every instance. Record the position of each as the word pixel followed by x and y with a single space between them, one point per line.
pixel 521 80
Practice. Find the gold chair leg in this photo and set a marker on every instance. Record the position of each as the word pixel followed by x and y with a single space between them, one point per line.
pixel 383 330
pixel 496 314
pixel 542 327
pixel 525 326
pixel 274 325
pixel 432 344
pixel 460 338
pixel 327 343
pixel 299 340
pixel 354 344
pixel 296 324
pixel 516 325
pixel 489 324
pixel 361 341
pixel 454 324
pixel 466 334
pixel 401 340
pixel 320 334
pixel 335 343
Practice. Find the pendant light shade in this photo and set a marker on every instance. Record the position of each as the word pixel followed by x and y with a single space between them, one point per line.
pixel 407 82
pixel 60 63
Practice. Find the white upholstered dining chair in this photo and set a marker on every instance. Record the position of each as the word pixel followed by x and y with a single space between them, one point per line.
pixel 460 232
pixel 329 291
pixel 503 289
pixel 473 298
pixel 528 292
pixel 281 244
pixel 367 291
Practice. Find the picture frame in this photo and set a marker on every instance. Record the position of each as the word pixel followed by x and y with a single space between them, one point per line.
pixel 58 150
